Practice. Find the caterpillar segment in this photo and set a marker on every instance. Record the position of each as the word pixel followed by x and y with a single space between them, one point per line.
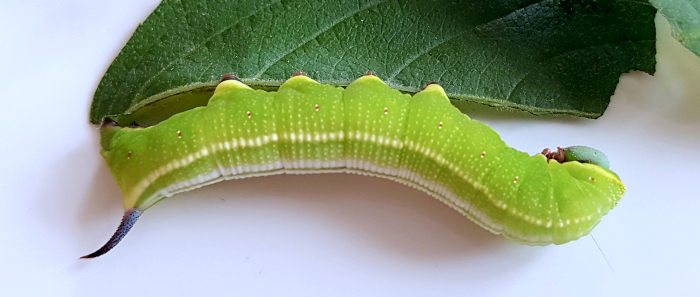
pixel 366 128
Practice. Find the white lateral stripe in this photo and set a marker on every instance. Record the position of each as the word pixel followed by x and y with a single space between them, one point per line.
pixel 257 142
pixel 294 165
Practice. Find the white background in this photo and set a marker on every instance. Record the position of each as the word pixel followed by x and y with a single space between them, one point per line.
pixel 333 234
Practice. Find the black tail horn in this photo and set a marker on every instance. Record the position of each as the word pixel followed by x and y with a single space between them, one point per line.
pixel 128 221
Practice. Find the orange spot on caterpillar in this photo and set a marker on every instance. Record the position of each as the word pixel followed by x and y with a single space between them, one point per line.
pixel 591 178
pixel 386 110
pixel 316 107
pixel 515 180
pixel 483 154
pixel 128 156
pixel 440 125
pixel 179 134
pixel 249 114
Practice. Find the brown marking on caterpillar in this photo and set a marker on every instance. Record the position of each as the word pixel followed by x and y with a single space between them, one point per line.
pixel 107 122
pixel 430 83
pixel 299 73
pixel 558 155
pixel 370 73
pixel 229 76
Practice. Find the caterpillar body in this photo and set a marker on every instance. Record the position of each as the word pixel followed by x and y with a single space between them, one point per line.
pixel 366 128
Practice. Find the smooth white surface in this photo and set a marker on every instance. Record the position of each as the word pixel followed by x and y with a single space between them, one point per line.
pixel 333 235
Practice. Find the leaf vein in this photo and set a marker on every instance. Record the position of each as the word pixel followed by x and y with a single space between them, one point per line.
pixel 314 36
pixel 570 51
pixel 192 49
pixel 421 53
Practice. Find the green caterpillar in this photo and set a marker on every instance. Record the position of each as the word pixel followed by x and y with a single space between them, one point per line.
pixel 366 128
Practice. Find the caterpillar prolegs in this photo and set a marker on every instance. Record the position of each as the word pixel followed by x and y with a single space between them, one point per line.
pixel 366 128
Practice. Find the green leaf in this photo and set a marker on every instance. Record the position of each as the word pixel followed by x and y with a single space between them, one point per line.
pixel 684 16
pixel 559 56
